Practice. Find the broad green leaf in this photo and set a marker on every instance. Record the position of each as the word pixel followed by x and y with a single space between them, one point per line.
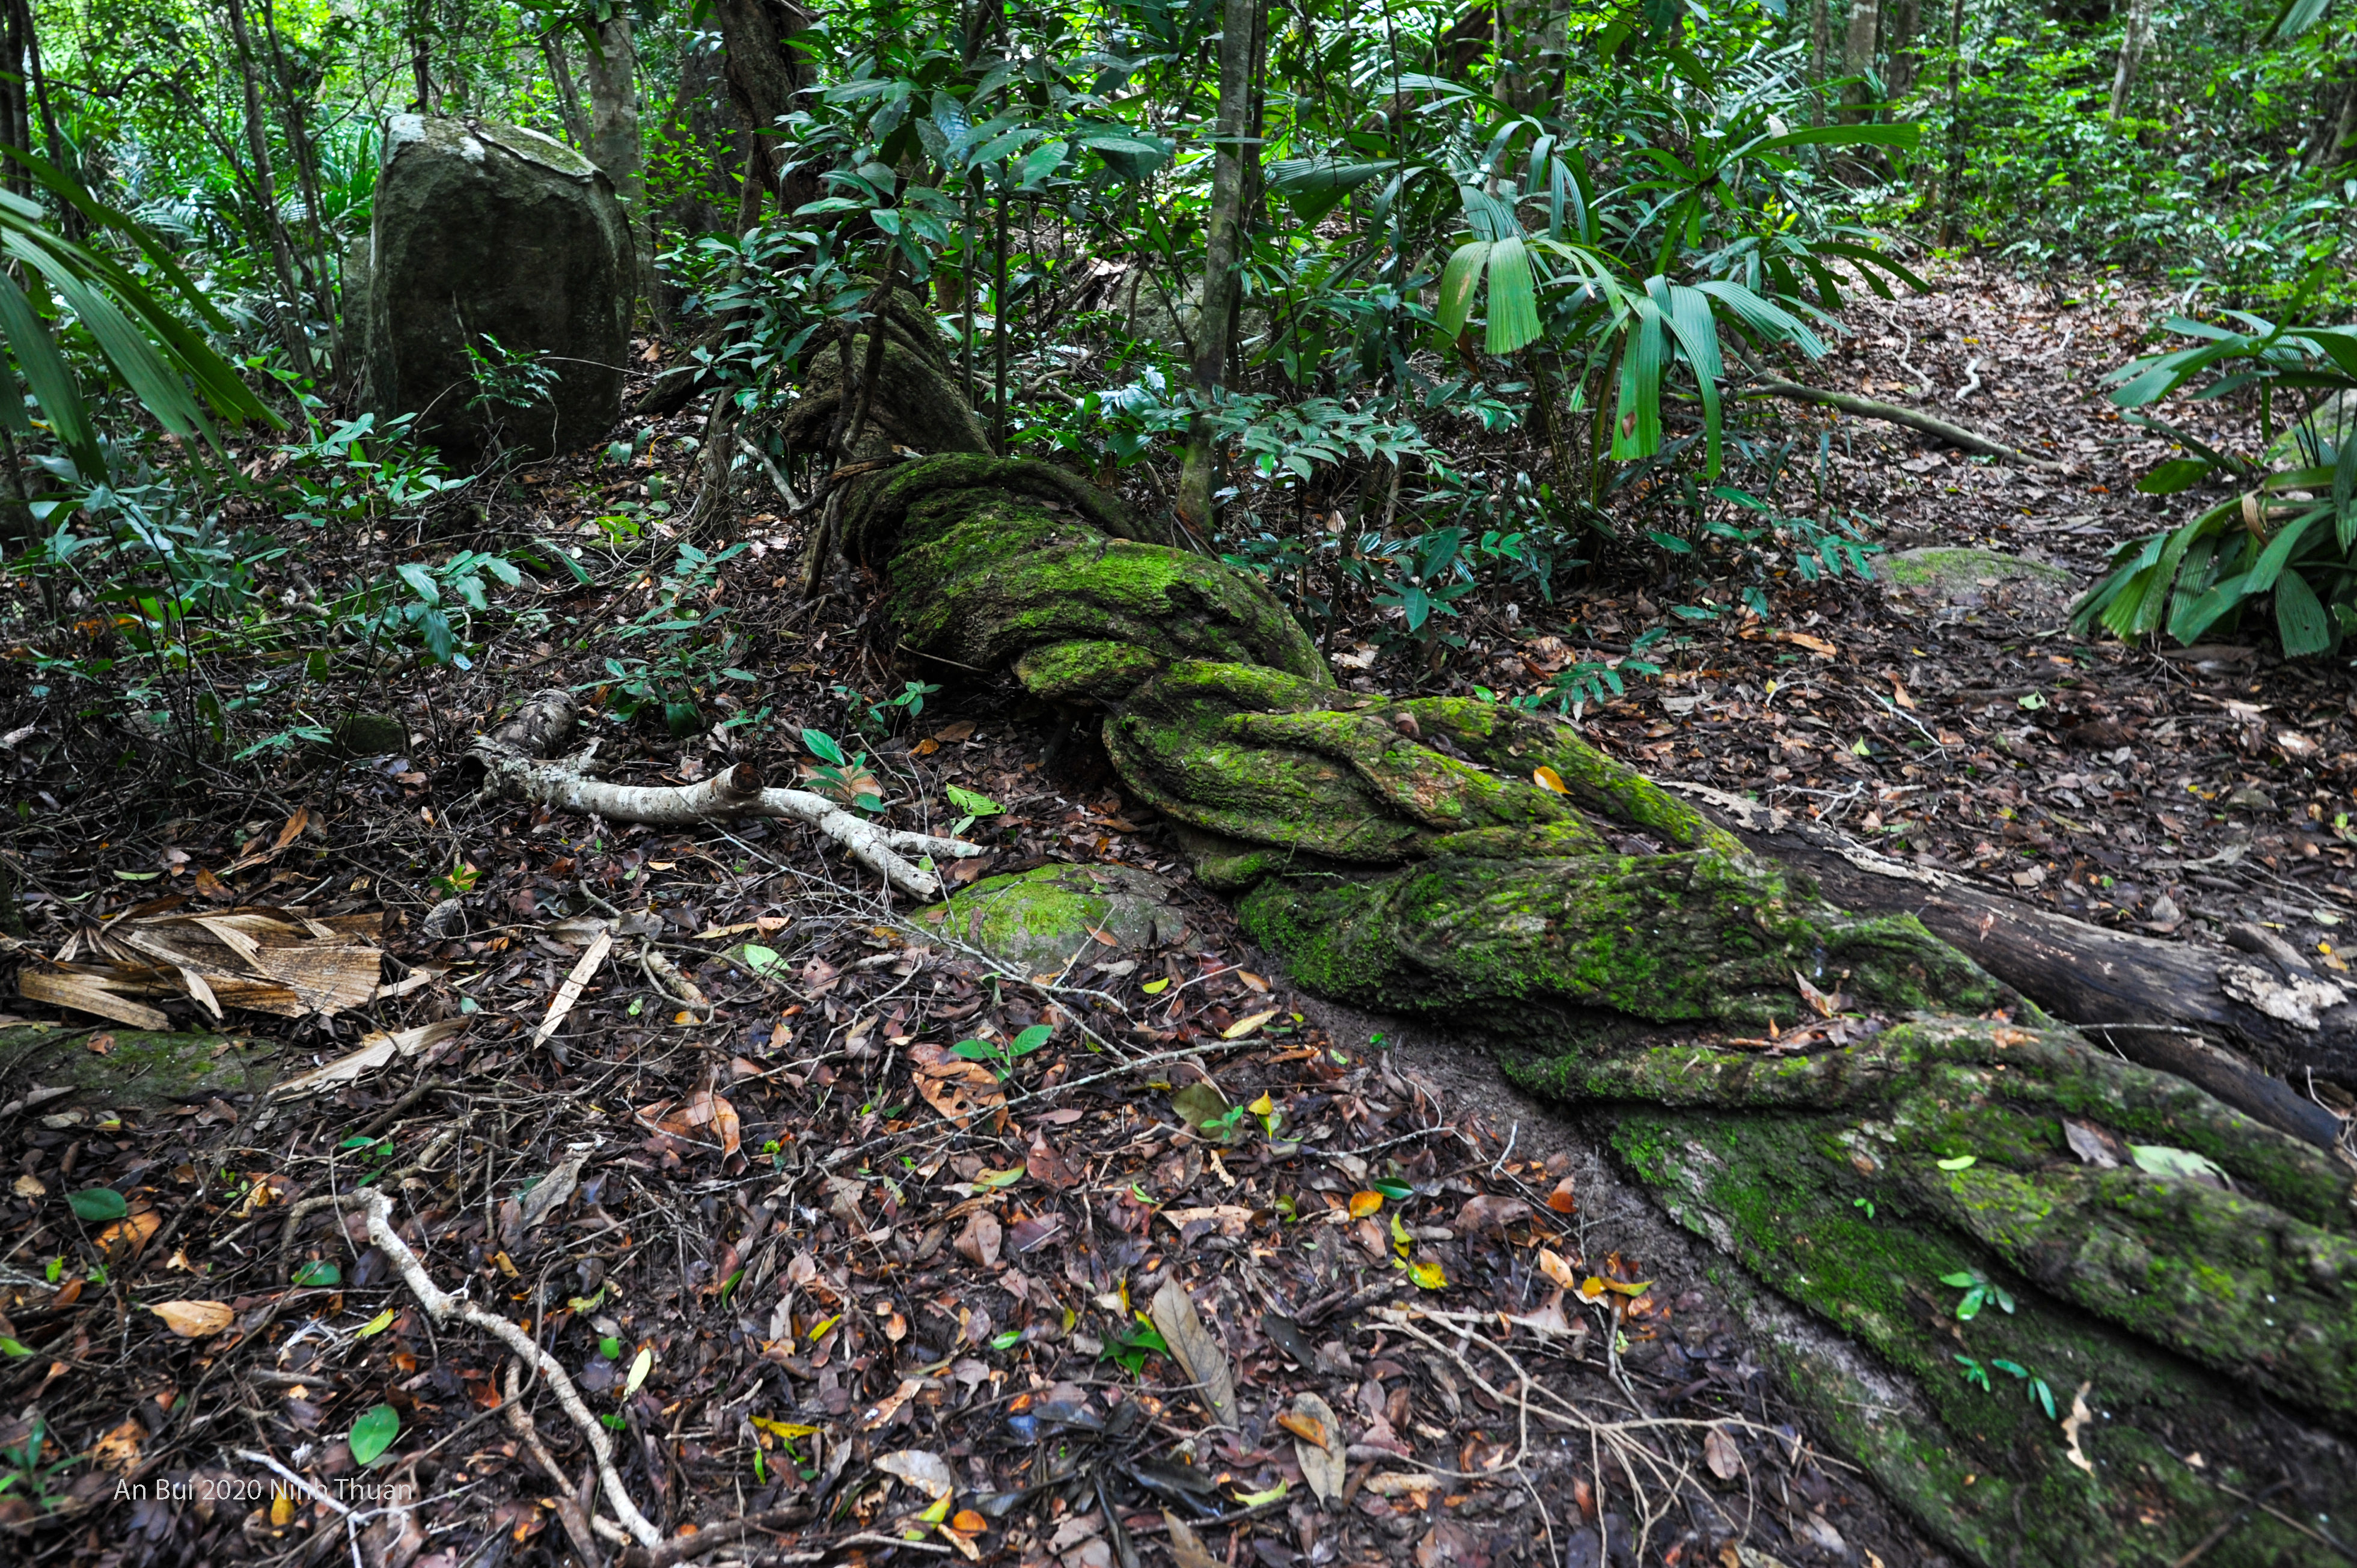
pixel 1513 303
pixel 2280 551
pixel 2176 474
pixel 54 387
pixel 971 803
pixel 821 744
pixel 2159 1159
pixel 94 1204
pixel 1637 420
pixel 373 1433
pixel 2300 620
pixel 1961 1162
pixel 1458 282
pixel 317 1274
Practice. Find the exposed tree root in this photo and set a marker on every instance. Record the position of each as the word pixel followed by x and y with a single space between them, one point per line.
pixel 730 796
pixel 1913 419
pixel 1890 1116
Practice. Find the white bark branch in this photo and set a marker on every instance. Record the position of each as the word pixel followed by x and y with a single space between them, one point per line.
pixel 725 797
pixel 444 1306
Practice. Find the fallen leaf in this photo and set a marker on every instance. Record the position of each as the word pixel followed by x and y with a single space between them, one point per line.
pixel 1561 1199
pixel 1248 1025
pixel 1816 645
pixel 1228 1218
pixel 889 1406
pixel 2091 1144
pixel 1317 1445
pixel 194 1319
pixel 118 1450
pixel 1489 1215
pixel 1552 1264
pixel 1548 779
pixel 640 1367
pixel 1365 1203
pixel 1207 1364
pixel 979 1241
pixel 1413 1484
pixel 2076 1423
pixel 1187 1548
pixel 1719 1451
pixel 929 1473
pixel 1428 1275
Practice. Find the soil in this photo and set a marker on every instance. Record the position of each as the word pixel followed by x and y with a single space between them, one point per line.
pixel 844 1297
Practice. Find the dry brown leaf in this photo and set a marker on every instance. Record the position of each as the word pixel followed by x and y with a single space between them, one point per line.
pixel 194 1319
pixel 1207 1364
pixel 2076 1424
pixel 569 991
pixel 1047 1167
pixel 1229 1218
pixel 978 1242
pixel 1562 1199
pixel 375 1051
pixel 126 1236
pixel 1242 1026
pixel 1317 1445
pixel 959 1089
pixel 1489 1215
pixel 119 1450
pixel 706 1109
pixel 1187 1548
pixel 1719 1451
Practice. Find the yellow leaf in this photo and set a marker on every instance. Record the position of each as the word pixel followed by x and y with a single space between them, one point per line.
pixel 1400 1239
pixel 1365 1203
pixel 282 1509
pixel 1591 1288
pixel 785 1428
pixel 818 1329
pixel 1623 1287
pixel 507 1265
pixel 1255 1499
pixel 1261 1106
pixel 938 1511
pixel 638 1370
pixel 1548 779
pixel 194 1319
pixel 1242 1026
pixel 377 1324
pixel 1156 987
pixel 1552 1264
pixel 1428 1276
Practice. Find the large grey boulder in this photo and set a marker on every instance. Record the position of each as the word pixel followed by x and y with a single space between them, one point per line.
pixel 490 233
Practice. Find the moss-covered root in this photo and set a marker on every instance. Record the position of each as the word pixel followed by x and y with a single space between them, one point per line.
pixel 1855 1181
pixel 1687 937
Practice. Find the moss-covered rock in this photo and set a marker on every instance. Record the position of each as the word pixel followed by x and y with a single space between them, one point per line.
pixel 1054 917
pixel 1954 572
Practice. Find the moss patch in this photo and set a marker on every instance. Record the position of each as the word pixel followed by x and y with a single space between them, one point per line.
pixel 141 1067
pixel 1047 919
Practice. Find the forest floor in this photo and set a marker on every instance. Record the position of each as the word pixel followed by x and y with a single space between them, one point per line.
pixel 803 1262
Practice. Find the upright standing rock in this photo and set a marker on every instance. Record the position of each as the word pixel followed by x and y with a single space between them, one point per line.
pixel 485 233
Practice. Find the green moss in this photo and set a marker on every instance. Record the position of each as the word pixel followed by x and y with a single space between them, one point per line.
pixel 1044 920
pixel 147 1068
pixel 1092 672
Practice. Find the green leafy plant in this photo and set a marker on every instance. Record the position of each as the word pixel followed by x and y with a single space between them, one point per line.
pixel 23 1472
pixel 1001 1058
pixel 1979 1290
pixel 1129 1347
pixel 844 779
pixel 2288 537
pixel 886 715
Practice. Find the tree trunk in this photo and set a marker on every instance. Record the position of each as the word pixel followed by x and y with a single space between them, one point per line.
pixel 1905 28
pixel 1238 139
pixel 1821 55
pixel 1859 38
pixel 289 307
pixel 2132 45
pixel 1848 1106
pixel 306 153
pixel 1951 180
pixel 15 107
pixel 614 144
pixel 2339 144
pixel 568 92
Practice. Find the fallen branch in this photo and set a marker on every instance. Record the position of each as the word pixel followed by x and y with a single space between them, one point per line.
pixel 1870 408
pixel 728 796
pixel 442 1306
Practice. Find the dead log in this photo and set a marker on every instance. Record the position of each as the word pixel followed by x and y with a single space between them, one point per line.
pixel 2162 1005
